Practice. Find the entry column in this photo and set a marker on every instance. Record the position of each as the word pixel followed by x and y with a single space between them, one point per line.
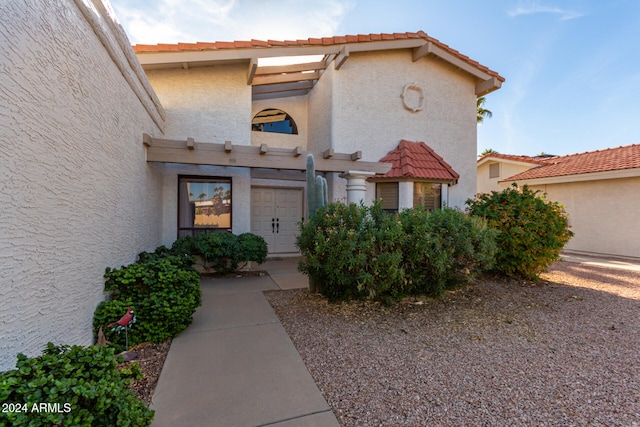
pixel 356 185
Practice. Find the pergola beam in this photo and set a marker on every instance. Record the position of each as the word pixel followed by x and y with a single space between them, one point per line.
pixel 253 67
pixel 285 78
pixel 203 153
pixel 292 68
pixel 341 57
pixel 487 86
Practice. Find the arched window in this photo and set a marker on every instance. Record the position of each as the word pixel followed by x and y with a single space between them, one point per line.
pixel 274 120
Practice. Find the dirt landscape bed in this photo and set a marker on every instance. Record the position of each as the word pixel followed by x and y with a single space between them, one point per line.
pixel 561 351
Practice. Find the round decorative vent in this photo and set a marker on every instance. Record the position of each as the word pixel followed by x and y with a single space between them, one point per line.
pixel 413 97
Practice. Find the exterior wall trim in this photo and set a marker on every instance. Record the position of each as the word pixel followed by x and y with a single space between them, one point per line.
pixel 594 176
pixel 119 49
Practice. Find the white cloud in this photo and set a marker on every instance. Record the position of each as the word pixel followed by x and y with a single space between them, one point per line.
pixel 172 21
pixel 564 14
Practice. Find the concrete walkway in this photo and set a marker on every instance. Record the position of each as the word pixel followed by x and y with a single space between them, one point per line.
pixel 632 264
pixel 235 365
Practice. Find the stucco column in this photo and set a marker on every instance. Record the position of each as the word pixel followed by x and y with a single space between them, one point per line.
pixel 444 195
pixel 405 195
pixel 356 185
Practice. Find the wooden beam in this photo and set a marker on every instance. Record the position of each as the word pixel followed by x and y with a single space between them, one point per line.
pixel 253 66
pixel 284 78
pixel 204 153
pixel 264 149
pixel 422 51
pixel 328 153
pixel 282 87
pixel 284 94
pixel 487 86
pixel 227 146
pixel 297 151
pixel 356 156
pixel 269 119
pixel 191 144
pixel 292 68
pixel 341 57
pixel 147 140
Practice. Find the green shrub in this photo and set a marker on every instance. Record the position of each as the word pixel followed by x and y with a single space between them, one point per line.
pixel 532 230
pixel 184 256
pixel 353 252
pixel 220 251
pixel 362 252
pixel 81 384
pixel 163 293
pixel 252 248
pixel 444 249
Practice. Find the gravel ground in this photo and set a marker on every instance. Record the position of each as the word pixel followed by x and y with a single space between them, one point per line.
pixel 563 351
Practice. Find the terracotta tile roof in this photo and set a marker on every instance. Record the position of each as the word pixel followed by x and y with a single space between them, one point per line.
pixel 416 160
pixel 324 41
pixel 537 160
pixel 610 159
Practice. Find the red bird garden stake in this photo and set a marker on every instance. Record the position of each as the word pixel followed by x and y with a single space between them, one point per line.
pixel 124 320
pixel 125 323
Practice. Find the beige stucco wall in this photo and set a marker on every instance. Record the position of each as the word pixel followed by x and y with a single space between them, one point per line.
pixel 76 194
pixel 209 104
pixel 603 214
pixel 296 107
pixel 368 113
pixel 507 169
pixel 320 112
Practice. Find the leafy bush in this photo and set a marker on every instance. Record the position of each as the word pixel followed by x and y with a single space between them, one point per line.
pixel 362 252
pixel 444 249
pixel 82 386
pixel 222 252
pixel 532 230
pixel 163 292
pixel 353 251
pixel 252 248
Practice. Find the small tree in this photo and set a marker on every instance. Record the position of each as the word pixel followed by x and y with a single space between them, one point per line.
pixel 531 230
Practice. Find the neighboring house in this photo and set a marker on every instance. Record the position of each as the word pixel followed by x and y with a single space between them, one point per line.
pixel 600 191
pixel 107 152
pixel 494 167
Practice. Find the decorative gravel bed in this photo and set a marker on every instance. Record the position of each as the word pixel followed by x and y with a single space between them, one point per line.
pixel 562 351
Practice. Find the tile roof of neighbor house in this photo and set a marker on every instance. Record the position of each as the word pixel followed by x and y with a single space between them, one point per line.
pixel 538 160
pixel 324 41
pixel 416 160
pixel 610 159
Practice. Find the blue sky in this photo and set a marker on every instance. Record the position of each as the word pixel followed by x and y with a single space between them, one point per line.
pixel 572 67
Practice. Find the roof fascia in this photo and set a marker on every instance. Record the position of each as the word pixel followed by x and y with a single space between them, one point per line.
pixel 593 176
pixel 246 54
pixel 511 162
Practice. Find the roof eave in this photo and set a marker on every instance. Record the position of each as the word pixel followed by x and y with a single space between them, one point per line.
pixel 592 176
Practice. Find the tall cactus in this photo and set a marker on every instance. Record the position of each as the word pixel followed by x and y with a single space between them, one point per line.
pixel 317 197
pixel 317 191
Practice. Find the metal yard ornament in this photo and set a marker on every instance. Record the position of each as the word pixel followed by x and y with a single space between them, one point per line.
pixel 125 323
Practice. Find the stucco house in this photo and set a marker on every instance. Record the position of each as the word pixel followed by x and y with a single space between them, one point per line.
pixel 109 150
pixel 494 167
pixel 599 190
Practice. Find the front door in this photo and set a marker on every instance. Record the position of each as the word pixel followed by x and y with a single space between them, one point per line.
pixel 275 213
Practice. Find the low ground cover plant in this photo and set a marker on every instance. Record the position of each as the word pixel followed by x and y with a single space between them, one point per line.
pixel 79 386
pixel 531 229
pixel 357 251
